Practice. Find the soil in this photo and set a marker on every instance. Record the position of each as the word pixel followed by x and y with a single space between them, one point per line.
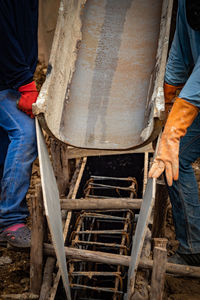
pixel 14 276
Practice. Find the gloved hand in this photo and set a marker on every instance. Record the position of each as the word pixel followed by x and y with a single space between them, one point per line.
pixel 170 92
pixel 180 118
pixel 29 96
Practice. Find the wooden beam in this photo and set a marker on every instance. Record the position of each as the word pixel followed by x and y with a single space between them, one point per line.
pixel 88 255
pixel 116 259
pixel 160 210
pixel 47 278
pixel 37 235
pixel 24 296
pixel 60 165
pixel 159 269
pixel 78 152
pixel 95 203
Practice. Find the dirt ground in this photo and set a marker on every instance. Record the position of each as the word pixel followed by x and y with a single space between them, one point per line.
pixel 14 265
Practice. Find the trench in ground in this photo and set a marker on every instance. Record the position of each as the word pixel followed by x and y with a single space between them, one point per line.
pixel 117 166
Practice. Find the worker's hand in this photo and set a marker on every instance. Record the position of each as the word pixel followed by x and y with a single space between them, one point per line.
pixel 180 118
pixel 167 158
pixel 29 96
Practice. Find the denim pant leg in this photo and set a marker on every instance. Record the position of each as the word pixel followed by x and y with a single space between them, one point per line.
pixel 184 193
pixel 21 152
pixel 4 142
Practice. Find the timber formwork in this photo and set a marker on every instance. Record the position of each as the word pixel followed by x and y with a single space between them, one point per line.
pixel 81 261
pixel 125 200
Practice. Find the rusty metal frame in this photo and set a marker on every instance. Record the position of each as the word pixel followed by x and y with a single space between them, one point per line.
pixel 81 236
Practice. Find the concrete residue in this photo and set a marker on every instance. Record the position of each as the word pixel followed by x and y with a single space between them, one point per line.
pixel 102 56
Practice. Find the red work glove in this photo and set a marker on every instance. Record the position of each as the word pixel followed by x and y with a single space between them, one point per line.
pixel 29 96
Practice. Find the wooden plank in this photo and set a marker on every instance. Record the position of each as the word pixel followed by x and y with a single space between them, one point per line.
pixel 52 206
pixel 24 296
pixel 37 235
pixel 78 152
pixel 89 255
pixel 47 278
pixel 159 268
pixel 143 291
pixel 160 210
pixel 146 169
pixel 60 165
pixel 122 260
pixel 96 204
pixel 55 286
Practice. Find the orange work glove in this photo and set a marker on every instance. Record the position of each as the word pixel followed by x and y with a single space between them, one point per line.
pixel 180 118
pixel 170 92
pixel 29 96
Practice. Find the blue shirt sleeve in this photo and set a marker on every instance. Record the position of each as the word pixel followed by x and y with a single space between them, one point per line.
pixel 191 90
pixel 183 64
pixel 180 58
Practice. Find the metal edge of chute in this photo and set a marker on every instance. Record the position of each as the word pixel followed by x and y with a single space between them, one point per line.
pixel 52 206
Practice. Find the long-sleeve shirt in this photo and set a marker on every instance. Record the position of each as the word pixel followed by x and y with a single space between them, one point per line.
pixel 183 64
pixel 18 42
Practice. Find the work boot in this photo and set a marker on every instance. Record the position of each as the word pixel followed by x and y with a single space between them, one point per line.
pixel 185 259
pixel 176 259
pixel 17 235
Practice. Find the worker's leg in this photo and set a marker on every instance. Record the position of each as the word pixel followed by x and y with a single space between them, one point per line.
pixel 184 193
pixel 21 153
pixel 4 142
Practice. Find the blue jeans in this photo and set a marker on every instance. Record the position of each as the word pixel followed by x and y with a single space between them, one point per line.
pixel 184 193
pixel 18 150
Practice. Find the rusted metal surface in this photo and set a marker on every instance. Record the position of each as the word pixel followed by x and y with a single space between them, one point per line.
pixel 102 91
pixel 108 92
pixel 92 234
